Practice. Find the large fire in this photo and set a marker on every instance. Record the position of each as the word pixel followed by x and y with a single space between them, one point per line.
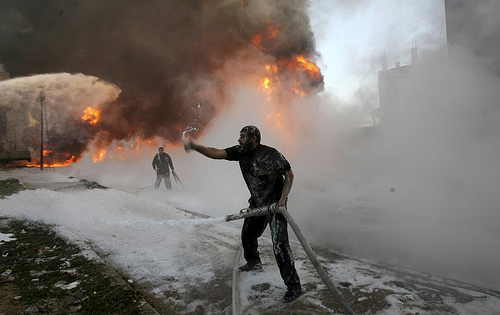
pixel 283 77
pixel 59 159
pixel 295 68
pixel 298 74
pixel 117 89
pixel 287 77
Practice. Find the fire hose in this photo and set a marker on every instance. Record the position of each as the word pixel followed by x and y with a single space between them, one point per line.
pixel 271 209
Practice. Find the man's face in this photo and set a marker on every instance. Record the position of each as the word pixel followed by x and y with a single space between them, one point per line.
pixel 161 150
pixel 245 142
pixel 245 139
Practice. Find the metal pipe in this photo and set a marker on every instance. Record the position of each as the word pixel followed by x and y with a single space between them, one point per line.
pixel 42 100
pixel 271 209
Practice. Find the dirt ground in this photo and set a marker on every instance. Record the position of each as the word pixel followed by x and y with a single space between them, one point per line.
pixel 41 273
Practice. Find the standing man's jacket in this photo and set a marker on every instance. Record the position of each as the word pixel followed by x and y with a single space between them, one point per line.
pixel 161 163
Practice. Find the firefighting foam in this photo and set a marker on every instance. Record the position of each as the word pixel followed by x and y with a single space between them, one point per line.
pixel 204 221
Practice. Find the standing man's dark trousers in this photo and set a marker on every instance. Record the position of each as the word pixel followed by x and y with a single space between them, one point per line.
pixel 166 179
pixel 253 228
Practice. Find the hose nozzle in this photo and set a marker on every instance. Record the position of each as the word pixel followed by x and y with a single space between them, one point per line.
pixel 256 212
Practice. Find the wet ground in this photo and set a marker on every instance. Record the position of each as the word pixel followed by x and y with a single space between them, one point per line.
pixel 370 287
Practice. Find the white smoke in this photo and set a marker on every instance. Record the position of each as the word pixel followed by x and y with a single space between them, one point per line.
pixel 422 191
pixel 352 36
pixel 65 93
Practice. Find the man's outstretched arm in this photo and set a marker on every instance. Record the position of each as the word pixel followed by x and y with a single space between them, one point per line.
pixel 210 152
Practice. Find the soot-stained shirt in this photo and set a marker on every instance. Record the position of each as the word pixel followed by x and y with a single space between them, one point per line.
pixel 263 169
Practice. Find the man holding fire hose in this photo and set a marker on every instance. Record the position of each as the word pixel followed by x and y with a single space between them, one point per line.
pixel 269 178
pixel 161 163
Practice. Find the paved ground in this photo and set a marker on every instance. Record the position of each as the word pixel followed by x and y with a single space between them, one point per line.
pixel 370 287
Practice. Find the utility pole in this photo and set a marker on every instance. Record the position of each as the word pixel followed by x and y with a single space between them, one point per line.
pixel 42 101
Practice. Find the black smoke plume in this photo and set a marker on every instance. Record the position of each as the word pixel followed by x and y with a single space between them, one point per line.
pixel 161 54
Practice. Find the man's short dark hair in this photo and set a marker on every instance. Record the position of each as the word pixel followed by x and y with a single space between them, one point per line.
pixel 251 131
pixel 161 148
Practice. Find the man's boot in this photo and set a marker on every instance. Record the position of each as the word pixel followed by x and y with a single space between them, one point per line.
pixel 292 294
pixel 251 266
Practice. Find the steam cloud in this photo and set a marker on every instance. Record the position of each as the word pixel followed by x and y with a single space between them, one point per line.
pixel 420 190
pixel 166 57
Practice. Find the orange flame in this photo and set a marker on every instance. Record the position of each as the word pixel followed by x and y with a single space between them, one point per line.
pixel 308 66
pixel 267 86
pixel 272 68
pixel 271 31
pixel 122 150
pixel 300 93
pixel 280 121
pixel 56 164
pixel 91 115
pixel 304 73
pixel 295 67
pixel 291 76
pixel 99 156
